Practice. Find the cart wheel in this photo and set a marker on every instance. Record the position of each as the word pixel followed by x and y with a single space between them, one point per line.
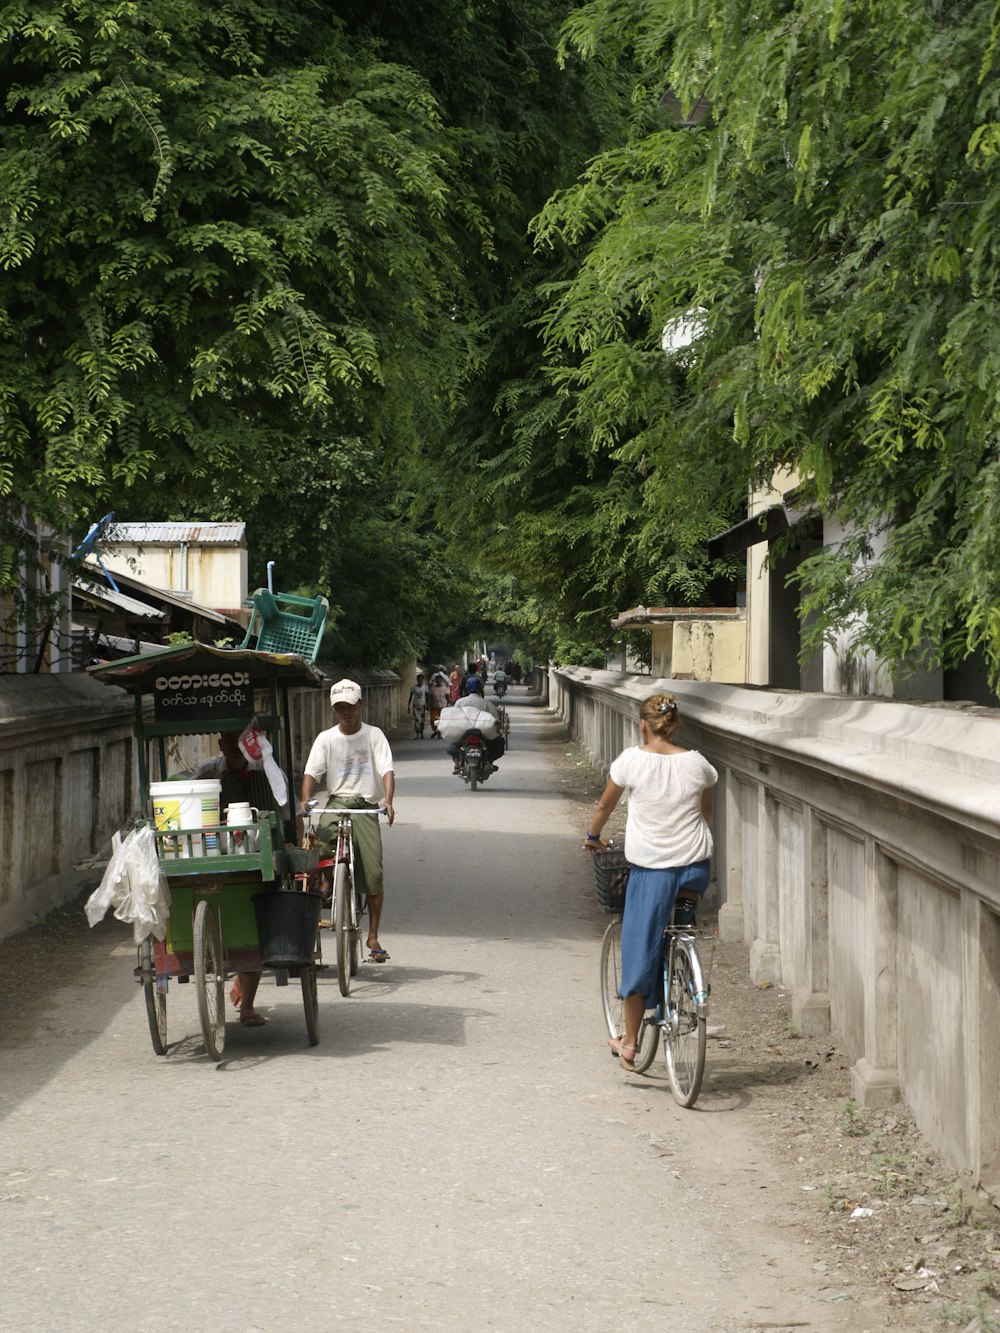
pixel 310 1003
pixel 342 926
pixel 154 987
pixel 210 977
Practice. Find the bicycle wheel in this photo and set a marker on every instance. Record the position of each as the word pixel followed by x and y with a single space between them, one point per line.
pixel 611 975
pixel 210 977
pixel 154 988
pixel 310 1004
pixel 342 926
pixel 685 1029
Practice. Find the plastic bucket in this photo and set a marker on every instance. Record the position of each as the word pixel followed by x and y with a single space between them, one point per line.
pixel 287 922
pixel 189 804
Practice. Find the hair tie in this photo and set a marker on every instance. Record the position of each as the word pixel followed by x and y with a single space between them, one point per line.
pixel 670 707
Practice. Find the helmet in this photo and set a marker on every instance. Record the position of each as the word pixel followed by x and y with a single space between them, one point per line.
pixel 473 685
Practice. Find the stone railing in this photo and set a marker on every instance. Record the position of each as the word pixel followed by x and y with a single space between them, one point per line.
pixel 858 854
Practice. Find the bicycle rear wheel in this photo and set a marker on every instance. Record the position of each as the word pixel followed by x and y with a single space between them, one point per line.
pixel 614 1017
pixel 685 1027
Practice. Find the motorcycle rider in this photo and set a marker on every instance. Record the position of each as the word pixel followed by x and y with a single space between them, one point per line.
pixel 500 682
pixel 473 703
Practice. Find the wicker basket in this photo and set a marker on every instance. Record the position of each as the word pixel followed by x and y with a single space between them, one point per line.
pixel 611 873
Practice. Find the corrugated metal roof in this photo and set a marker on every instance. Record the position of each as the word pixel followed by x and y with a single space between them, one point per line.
pixel 129 605
pixel 162 596
pixel 168 534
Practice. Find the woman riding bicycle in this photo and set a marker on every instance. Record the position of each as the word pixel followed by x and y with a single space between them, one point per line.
pixel 668 843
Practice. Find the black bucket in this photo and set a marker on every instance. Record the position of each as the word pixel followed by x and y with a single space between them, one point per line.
pixel 287 923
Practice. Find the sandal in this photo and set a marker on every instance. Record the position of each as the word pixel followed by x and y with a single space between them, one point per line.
pixel 236 994
pixel 253 1019
pixel 619 1048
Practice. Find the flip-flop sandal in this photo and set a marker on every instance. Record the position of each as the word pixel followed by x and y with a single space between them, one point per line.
pixel 378 956
pixel 236 995
pixel 253 1020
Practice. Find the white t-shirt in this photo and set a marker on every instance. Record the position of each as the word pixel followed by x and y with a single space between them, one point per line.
pixel 665 825
pixel 351 765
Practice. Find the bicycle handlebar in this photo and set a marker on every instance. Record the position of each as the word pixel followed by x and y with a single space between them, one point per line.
pixel 330 810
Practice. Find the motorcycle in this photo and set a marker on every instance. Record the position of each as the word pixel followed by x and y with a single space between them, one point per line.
pixel 474 764
pixel 499 688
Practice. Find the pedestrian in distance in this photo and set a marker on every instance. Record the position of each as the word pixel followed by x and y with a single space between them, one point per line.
pixel 437 699
pixel 455 684
pixel 668 843
pixel 417 705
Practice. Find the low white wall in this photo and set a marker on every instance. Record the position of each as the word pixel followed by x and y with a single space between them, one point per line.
pixel 858 853
pixel 67 771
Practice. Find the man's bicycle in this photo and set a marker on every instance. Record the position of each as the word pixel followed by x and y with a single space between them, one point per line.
pixel 345 907
pixel 681 1013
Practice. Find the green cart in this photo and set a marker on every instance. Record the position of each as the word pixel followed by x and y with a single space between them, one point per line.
pixel 231 911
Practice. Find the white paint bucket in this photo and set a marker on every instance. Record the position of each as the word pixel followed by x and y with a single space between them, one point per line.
pixel 188 804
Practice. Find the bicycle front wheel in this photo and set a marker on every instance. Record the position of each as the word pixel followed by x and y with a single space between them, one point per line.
pixel 614 1017
pixel 685 1029
pixel 342 926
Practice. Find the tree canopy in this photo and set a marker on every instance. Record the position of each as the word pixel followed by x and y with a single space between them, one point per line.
pixel 814 186
pixel 399 288
pixel 252 254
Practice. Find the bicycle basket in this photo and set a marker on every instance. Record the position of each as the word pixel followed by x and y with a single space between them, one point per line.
pixel 611 873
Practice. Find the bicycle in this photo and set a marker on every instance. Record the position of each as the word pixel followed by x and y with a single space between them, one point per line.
pixel 346 904
pixel 504 724
pixel 681 1012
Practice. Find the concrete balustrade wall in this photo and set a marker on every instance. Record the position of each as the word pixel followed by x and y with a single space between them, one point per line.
pixel 858 854
pixel 67 772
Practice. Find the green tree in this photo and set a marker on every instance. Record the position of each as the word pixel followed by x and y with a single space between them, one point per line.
pixel 230 265
pixel 833 216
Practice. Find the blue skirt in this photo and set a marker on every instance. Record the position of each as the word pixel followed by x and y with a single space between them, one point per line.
pixel 649 901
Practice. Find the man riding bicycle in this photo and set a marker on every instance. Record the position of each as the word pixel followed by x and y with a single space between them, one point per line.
pixel 353 761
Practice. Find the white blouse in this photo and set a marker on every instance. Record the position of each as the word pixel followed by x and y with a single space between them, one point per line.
pixel 665 826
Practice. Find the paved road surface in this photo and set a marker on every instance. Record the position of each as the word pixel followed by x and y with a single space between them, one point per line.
pixel 458 1153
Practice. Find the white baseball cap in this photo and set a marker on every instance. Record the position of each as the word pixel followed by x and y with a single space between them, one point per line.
pixel 345 692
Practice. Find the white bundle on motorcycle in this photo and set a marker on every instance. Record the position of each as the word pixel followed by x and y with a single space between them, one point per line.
pixel 455 722
pixel 134 885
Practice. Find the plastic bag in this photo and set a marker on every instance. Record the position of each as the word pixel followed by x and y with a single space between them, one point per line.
pixel 255 745
pixel 134 885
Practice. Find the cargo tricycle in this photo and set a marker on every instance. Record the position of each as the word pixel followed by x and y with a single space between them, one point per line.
pixel 236 905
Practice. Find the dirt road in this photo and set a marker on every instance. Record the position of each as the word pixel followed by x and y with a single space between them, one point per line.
pixel 459 1152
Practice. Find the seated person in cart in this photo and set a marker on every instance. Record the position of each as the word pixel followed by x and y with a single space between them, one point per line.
pixel 242 779
pixel 352 760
